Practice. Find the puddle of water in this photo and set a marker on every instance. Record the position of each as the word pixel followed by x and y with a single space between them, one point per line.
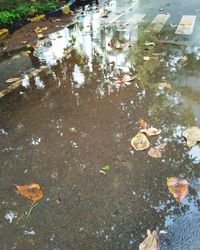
pixel 65 124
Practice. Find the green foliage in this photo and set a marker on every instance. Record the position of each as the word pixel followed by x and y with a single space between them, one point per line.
pixel 20 14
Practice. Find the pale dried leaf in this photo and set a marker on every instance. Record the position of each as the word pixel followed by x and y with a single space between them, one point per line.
pixel 155 152
pixel 192 135
pixel 151 242
pixel 151 131
pixel 140 142
pixel 146 58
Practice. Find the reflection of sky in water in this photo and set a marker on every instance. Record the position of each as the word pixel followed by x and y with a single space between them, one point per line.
pixel 78 77
pixel 194 154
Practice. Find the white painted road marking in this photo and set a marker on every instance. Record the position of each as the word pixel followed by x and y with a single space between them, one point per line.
pixel 120 15
pixel 135 19
pixel 158 22
pixel 186 25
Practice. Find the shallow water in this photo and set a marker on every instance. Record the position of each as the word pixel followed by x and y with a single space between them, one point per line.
pixel 71 118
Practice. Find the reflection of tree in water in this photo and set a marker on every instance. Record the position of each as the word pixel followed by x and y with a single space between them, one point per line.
pixel 152 203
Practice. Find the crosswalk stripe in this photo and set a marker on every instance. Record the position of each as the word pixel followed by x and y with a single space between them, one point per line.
pixel 120 15
pixel 186 25
pixel 135 19
pixel 158 22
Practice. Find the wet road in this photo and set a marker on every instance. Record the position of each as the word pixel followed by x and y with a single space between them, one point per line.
pixel 71 117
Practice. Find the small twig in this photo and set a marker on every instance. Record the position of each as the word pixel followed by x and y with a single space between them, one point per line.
pixel 34 204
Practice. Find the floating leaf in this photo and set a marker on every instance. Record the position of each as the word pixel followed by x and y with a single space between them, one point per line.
pixel 106 168
pixel 178 188
pixel 104 14
pixel 40 29
pixel 165 85
pixel 192 136
pixel 140 142
pixel 40 36
pixel 151 131
pixel 151 242
pixel 13 80
pixel 32 191
pixel 142 123
pixel 155 152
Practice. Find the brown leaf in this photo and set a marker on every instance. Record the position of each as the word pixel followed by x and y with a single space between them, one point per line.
pixel 151 242
pixel 192 135
pixel 140 142
pixel 165 85
pixel 32 191
pixel 142 123
pixel 179 188
pixel 105 14
pixel 151 131
pixel 13 80
pixel 155 152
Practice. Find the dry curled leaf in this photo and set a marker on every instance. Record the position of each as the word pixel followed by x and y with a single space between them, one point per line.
pixel 178 188
pixel 165 85
pixel 140 142
pixel 142 123
pixel 31 191
pixel 192 136
pixel 151 131
pixel 13 80
pixel 155 152
pixel 151 242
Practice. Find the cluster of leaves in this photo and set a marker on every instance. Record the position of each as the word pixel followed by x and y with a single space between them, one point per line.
pixel 22 13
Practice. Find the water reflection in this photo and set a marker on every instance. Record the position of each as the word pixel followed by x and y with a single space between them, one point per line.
pixel 83 119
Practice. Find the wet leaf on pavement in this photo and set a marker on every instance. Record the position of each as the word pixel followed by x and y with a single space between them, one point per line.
pixel 178 188
pixel 31 191
pixel 106 168
pixel 40 29
pixel 13 80
pixel 165 85
pixel 151 131
pixel 140 142
pixel 192 135
pixel 155 152
pixel 151 242
pixel 142 123
pixel 125 79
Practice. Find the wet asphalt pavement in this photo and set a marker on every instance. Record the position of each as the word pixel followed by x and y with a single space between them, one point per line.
pixel 71 116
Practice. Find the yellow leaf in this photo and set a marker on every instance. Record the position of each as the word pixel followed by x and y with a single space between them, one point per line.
pixel 142 123
pixel 65 9
pixel 37 18
pixel 178 188
pixel 32 191
pixel 140 142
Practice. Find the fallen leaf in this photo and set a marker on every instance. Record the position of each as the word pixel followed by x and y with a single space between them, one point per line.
pixel 151 131
pixel 155 152
pixel 37 18
pixel 40 29
pixel 13 80
pixel 146 58
pixel 165 85
pixel 106 168
pixel 178 188
pixel 35 46
pixel 24 42
pixel 151 242
pixel 184 58
pixel 142 123
pixel 40 36
pixel 150 44
pixel 119 46
pixel 140 142
pixel 192 135
pixel 32 191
